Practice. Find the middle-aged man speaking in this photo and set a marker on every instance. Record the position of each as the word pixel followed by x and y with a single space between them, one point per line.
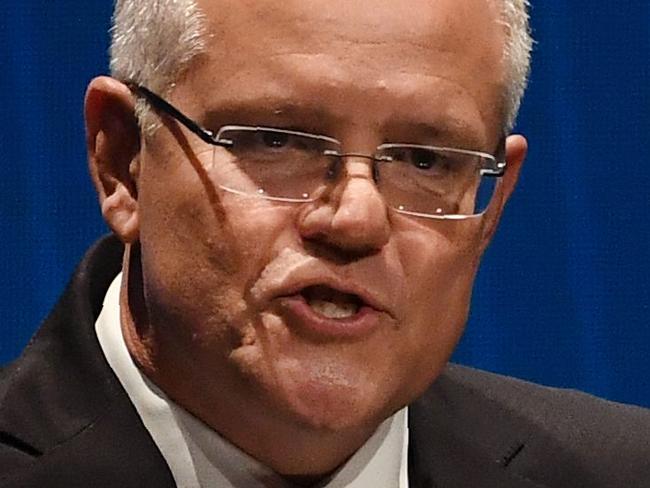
pixel 304 190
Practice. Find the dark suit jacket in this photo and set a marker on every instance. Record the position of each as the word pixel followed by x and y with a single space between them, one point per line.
pixel 65 421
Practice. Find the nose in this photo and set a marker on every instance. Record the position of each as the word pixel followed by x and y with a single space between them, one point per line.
pixel 353 216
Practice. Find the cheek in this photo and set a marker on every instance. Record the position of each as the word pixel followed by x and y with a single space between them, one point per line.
pixel 200 254
pixel 187 252
pixel 439 275
pixel 440 262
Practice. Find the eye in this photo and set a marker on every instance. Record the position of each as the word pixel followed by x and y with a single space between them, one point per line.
pixel 424 159
pixel 275 140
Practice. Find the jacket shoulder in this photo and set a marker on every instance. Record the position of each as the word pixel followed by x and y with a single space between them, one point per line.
pixel 65 420
pixel 558 410
pixel 554 427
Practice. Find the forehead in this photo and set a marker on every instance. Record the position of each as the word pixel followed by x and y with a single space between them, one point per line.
pixel 384 56
pixel 305 22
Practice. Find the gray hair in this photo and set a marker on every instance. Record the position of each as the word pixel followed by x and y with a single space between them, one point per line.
pixel 155 41
pixel 519 44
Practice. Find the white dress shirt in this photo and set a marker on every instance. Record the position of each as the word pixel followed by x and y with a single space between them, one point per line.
pixel 198 457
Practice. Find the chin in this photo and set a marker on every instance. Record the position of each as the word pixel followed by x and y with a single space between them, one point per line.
pixel 334 398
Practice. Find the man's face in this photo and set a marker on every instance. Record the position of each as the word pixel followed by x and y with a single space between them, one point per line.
pixel 231 282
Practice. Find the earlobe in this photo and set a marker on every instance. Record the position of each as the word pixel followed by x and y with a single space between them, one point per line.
pixel 120 211
pixel 516 148
pixel 113 144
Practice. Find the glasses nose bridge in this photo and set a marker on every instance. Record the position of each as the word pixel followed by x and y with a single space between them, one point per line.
pixel 359 155
pixel 358 164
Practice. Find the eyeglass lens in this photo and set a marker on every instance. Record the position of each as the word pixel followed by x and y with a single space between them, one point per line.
pixel 416 180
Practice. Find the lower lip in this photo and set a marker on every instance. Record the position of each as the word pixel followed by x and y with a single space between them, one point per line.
pixel 300 314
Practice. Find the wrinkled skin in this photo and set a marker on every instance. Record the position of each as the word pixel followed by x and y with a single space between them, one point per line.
pixel 198 306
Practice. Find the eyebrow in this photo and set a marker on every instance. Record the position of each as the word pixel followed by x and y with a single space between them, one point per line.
pixel 266 110
pixel 313 117
pixel 451 132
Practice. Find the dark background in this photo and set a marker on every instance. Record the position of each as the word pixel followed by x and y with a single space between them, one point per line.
pixel 563 295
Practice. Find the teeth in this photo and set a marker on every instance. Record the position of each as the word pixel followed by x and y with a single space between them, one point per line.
pixel 333 310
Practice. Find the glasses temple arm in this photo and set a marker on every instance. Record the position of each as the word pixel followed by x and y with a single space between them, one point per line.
pixel 500 157
pixel 160 104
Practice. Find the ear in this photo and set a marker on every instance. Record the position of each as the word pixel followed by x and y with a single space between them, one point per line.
pixel 516 148
pixel 113 144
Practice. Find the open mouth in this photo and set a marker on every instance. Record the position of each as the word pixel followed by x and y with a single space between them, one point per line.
pixel 331 303
pixel 327 313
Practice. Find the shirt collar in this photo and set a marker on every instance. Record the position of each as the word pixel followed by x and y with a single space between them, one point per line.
pixel 198 456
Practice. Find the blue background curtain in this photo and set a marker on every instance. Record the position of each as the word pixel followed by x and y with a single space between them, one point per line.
pixel 563 295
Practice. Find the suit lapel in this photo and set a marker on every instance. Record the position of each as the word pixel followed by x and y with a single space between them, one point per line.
pixel 457 439
pixel 466 431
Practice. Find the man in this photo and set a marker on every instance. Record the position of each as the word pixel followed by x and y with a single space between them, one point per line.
pixel 303 192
